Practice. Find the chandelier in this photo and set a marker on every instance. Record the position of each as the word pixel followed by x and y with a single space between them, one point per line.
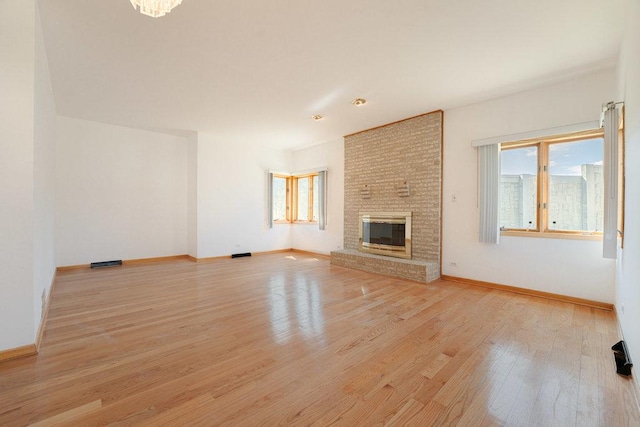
pixel 155 8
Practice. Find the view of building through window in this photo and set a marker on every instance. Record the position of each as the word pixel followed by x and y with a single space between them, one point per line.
pixel 576 186
pixel 573 194
pixel 519 188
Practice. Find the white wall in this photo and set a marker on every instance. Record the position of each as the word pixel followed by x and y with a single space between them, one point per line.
pixel 309 237
pixel 567 267
pixel 27 168
pixel 121 193
pixel 17 56
pixel 232 198
pixel 628 271
pixel 44 177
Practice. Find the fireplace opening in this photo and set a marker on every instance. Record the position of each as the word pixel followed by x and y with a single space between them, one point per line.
pixel 383 233
pixel 386 233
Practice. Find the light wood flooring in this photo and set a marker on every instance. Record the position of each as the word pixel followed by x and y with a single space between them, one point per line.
pixel 287 339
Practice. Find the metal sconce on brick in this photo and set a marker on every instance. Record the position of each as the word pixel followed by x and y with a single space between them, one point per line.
pixel 403 189
pixel 365 192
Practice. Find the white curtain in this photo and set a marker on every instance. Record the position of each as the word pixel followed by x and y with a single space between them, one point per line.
pixel 488 192
pixel 322 199
pixel 610 172
pixel 270 199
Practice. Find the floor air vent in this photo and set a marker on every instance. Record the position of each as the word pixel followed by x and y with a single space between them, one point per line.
pixel 623 362
pixel 106 263
pixel 241 255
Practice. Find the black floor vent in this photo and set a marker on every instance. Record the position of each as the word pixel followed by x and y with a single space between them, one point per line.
pixel 241 255
pixel 623 362
pixel 106 263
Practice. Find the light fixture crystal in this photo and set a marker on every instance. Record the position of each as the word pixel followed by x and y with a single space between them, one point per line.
pixel 359 101
pixel 317 117
pixel 155 8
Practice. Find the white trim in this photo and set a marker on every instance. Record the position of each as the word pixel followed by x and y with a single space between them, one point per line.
pixel 270 199
pixel 610 173
pixel 278 172
pixel 309 171
pixel 541 133
pixel 300 172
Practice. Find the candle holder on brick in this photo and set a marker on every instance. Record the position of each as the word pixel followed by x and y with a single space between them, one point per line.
pixel 403 189
pixel 365 192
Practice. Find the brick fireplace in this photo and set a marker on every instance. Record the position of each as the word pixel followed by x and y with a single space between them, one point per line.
pixel 395 168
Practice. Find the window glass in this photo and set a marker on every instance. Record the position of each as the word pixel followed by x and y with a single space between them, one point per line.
pixel 295 198
pixel 555 185
pixel 518 187
pixel 279 198
pixel 303 199
pixel 576 186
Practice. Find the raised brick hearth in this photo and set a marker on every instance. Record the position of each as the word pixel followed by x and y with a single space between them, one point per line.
pixel 420 271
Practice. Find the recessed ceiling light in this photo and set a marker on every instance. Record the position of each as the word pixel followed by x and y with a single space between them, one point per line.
pixel 155 8
pixel 359 101
pixel 317 117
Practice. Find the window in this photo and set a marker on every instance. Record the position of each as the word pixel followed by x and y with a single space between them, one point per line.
pixel 280 198
pixel 553 185
pixel 576 186
pixel 302 198
pixel 295 198
pixel 519 188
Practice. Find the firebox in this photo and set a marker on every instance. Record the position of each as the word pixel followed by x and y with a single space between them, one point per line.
pixel 386 233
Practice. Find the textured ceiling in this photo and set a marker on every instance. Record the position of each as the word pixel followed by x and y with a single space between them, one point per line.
pixel 258 70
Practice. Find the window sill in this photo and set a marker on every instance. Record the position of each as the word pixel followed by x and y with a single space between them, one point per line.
pixel 296 222
pixel 551 235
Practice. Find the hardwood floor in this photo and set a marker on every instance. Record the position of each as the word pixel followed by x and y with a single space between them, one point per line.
pixel 287 339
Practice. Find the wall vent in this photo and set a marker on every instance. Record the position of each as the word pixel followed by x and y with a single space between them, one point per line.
pixel 106 263
pixel 241 255
pixel 621 355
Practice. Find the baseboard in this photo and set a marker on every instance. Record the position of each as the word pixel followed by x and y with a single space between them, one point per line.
pixel 154 260
pixel 18 352
pixel 636 390
pixel 31 349
pixel 217 258
pixel 635 380
pixel 142 261
pixel 316 254
pixel 276 251
pixel 45 315
pixel 531 292
pixel 137 261
pixel 210 259
pixel 64 268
